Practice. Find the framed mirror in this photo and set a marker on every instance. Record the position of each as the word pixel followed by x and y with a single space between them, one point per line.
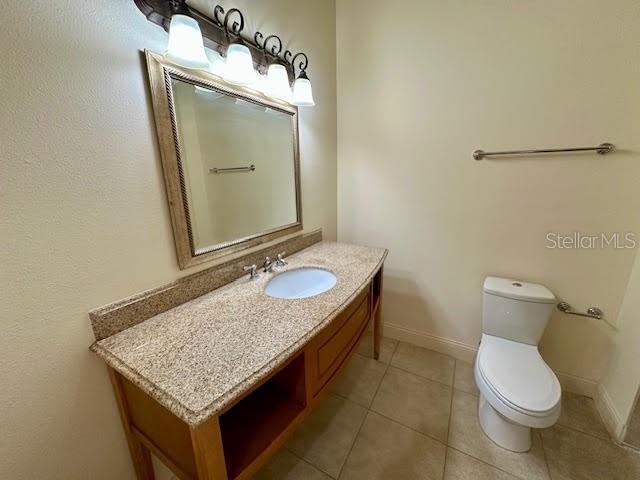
pixel 230 159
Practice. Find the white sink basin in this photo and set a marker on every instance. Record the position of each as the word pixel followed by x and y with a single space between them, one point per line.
pixel 300 283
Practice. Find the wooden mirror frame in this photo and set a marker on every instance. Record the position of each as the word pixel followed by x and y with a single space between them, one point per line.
pixel 160 74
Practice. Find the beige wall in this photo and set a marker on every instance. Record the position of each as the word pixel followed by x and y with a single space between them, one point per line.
pixel 620 385
pixel 84 217
pixel 421 84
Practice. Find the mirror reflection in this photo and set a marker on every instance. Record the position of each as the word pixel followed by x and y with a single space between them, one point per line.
pixel 238 163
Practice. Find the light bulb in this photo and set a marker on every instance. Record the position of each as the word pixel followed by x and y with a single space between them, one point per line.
pixel 185 45
pixel 239 66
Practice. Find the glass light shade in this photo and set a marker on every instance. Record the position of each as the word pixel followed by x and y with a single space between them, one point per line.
pixel 277 84
pixel 185 43
pixel 216 62
pixel 302 92
pixel 258 83
pixel 239 67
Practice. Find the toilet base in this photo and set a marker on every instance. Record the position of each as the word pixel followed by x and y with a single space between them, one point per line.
pixel 500 430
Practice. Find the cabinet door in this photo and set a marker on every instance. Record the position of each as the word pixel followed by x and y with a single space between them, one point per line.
pixel 332 346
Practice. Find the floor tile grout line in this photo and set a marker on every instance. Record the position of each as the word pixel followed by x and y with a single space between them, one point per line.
pixel 446 444
pixel 418 375
pixel 317 467
pixel 308 462
pixel 386 369
pixel 355 438
pixel 446 457
pixel 606 440
pixel 446 454
pixel 398 342
pixel 431 437
pixel 347 398
pixel 440 383
pixel 393 354
pixel 544 455
pixel 486 463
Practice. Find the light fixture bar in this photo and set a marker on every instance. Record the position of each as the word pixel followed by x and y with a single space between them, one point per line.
pixel 216 37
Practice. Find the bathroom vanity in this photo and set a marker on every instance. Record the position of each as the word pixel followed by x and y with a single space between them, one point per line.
pixel 213 372
pixel 214 386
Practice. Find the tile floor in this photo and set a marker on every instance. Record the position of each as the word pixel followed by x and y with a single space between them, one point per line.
pixel 632 436
pixel 413 415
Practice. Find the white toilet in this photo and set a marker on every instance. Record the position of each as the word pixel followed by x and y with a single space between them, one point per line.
pixel 518 390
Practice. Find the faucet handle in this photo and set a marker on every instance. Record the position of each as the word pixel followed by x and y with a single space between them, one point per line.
pixel 268 265
pixel 253 269
pixel 280 260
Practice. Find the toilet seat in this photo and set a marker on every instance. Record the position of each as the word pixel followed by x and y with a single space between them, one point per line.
pixel 517 382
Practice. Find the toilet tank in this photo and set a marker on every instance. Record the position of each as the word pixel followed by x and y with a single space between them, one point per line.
pixel 516 310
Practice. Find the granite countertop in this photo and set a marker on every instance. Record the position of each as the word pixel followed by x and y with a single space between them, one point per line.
pixel 199 357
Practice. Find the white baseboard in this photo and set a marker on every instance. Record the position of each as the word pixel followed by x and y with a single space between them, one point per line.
pixel 578 385
pixel 459 350
pixel 609 413
pixel 467 353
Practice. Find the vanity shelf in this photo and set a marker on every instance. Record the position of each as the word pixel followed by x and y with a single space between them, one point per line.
pixel 255 422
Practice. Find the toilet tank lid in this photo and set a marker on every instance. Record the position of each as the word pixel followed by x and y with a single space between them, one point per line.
pixel 518 290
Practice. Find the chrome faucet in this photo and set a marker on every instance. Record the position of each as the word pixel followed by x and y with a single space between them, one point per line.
pixel 253 270
pixel 280 260
pixel 268 264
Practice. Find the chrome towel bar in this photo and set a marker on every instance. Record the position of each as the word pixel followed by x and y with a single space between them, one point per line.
pixel 250 168
pixel 601 149
pixel 592 312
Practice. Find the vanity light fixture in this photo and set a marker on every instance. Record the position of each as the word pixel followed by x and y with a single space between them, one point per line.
pixel 188 27
pixel 185 46
pixel 302 91
pixel 238 68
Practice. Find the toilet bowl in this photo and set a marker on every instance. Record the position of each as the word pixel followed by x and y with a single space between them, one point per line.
pixel 518 390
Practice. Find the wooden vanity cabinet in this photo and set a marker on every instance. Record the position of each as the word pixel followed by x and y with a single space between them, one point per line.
pixel 332 346
pixel 236 442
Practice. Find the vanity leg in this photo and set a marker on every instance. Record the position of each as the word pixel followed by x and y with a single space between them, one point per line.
pixel 139 453
pixel 377 319
pixel 206 440
pixel 376 334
